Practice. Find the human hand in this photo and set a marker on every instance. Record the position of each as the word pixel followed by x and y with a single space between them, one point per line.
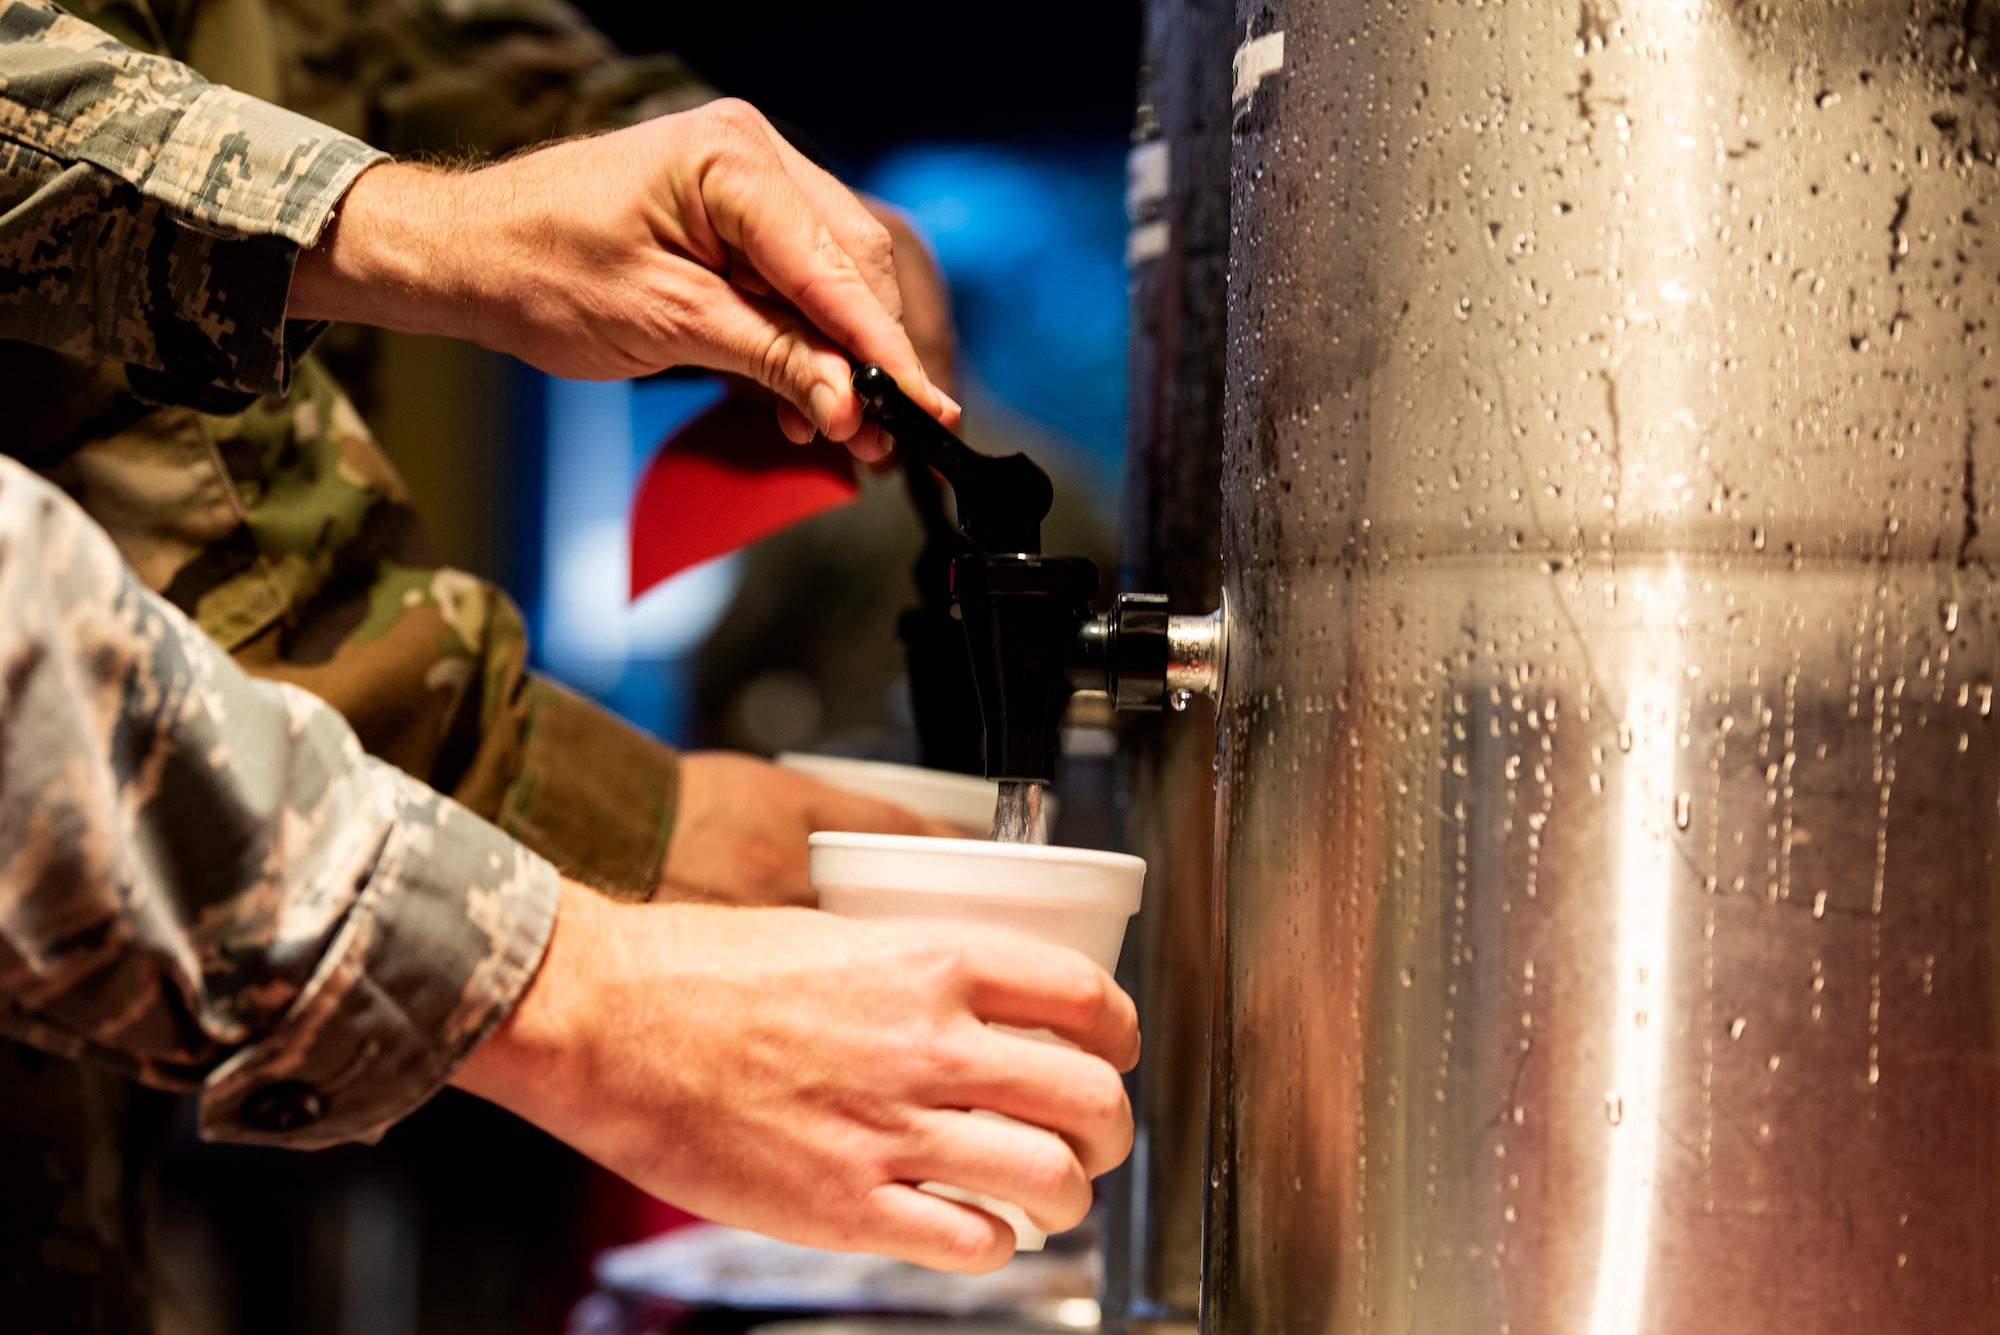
pixel 740 833
pixel 702 239
pixel 798 1074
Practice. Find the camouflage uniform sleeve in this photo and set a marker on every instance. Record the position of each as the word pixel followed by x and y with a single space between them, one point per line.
pixel 148 216
pixel 205 883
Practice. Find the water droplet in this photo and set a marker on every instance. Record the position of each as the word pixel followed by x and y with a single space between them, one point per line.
pixel 1819 903
pixel 1737 1026
pixel 1625 739
pixel 1464 309
pixel 1950 617
pixel 1508 1214
pixel 1874 1074
pixel 1683 810
pixel 1772 1065
pixel 1409 976
pixel 1179 700
pixel 1614 1108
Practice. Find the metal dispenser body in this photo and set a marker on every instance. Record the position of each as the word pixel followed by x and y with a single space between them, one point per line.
pixel 1608 809
pixel 1177 196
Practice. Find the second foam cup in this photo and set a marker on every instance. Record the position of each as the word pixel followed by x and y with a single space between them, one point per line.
pixel 1075 897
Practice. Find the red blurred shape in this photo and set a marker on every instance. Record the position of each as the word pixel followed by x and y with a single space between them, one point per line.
pixel 726 479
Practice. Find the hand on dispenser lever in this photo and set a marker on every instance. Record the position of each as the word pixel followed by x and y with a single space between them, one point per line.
pixel 740 834
pixel 798 1073
pixel 702 239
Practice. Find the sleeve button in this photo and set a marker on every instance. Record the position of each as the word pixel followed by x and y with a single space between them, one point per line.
pixel 285 1105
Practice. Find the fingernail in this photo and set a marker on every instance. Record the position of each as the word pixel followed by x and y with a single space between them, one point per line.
pixel 822 401
pixel 950 404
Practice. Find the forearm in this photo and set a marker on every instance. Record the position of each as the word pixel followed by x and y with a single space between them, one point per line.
pixel 411 249
pixel 209 885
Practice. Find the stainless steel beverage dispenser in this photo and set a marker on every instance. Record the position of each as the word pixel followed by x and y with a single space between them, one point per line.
pixel 1608 795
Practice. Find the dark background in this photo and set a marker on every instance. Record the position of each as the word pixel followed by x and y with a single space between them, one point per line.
pixel 859 77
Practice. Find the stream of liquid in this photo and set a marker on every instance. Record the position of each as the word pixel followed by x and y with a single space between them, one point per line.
pixel 1017 816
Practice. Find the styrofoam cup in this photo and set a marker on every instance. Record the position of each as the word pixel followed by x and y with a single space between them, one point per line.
pixel 965 800
pixel 1075 897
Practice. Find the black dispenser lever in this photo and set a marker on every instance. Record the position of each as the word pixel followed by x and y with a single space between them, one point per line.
pixel 1030 636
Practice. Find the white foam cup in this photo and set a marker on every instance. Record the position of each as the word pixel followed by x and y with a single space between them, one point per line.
pixel 965 800
pixel 1075 897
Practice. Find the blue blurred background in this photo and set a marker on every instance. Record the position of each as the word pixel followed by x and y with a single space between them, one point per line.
pixel 1030 236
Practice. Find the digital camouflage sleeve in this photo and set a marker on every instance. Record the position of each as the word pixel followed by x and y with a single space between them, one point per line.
pixel 206 883
pixel 144 177
pixel 277 522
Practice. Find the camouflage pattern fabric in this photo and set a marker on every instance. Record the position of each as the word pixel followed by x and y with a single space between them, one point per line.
pixel 207 884
pixel 277 523
pixel 137 170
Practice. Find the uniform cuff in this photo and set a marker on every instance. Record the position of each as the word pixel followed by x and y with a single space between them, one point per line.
pixel 594 794
pixel 247 168
pixel 438 947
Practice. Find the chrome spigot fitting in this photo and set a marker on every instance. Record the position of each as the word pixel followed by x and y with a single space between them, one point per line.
pixel 1197 653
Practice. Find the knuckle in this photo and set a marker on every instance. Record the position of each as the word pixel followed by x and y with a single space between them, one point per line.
pixel 784 358
pixel 875 247
pixel 1069 1213
pixel 1050 1172
pixel 942 1055
pixel 736 115
pixel 970 1246
pixel 1083 988
pixel 854 1174
pixel 942 961
pixel 1103 1099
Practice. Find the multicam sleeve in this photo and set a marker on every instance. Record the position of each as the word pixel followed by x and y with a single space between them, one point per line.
pixel 204 882
pixel 486 76
pixel 148 216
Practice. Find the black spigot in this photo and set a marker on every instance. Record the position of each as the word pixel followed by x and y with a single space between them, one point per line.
pixel 944 699
pixel 1029 635
pixel 1022 612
